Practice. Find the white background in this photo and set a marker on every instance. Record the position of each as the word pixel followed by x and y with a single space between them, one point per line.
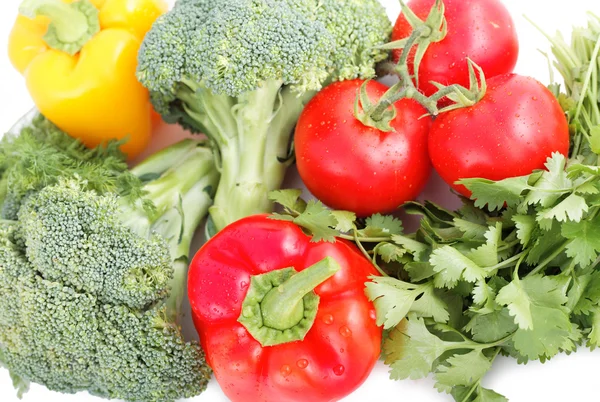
pixel 572 378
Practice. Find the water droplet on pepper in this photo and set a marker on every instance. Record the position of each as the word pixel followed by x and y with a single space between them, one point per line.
pixel 339 370
pixel 302 363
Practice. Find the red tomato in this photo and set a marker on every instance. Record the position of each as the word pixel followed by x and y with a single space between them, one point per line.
pixel 511 132
pixel 350 166
pixel 482 30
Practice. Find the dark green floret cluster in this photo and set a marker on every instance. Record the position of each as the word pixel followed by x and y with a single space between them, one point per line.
pixel 93 261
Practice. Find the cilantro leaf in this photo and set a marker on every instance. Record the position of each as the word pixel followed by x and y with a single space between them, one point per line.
pixel 429 304
pixel 452 265
pixel 382 226
pixel 471 230
pixel 537 304
pixel 487 254
pixel 589 298
pixel 585 240
pixel 545 244
pixel 410 349
pixel 462 369
pixel 494 194
pixel 571 208
pixel 319 221
pixel 289 199
pixel 594 335
pixel 389 252
pixel 552 185
pixel 417 249
pixel 491 327
pixel 345 220
pixel 393 299
pixel 487 395
pixel 525 227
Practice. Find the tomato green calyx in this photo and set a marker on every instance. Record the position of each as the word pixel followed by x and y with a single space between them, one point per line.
pixel 71 25
pixel 459 95
pixel 281 306
pixel 433 29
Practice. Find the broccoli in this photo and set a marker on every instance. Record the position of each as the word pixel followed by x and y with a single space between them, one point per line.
pixel 91 280
pixel 241 71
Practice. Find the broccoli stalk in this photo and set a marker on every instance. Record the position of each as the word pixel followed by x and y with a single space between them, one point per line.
pixel 180 183
pixel 93 268
pixel 242 71
pixel 251 139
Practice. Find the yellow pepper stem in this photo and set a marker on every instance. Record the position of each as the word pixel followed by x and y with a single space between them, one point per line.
pixel 71 25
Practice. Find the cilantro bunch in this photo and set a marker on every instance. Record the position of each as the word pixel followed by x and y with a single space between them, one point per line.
pixel 514 272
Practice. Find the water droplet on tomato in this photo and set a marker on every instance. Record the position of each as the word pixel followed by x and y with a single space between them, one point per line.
pixel 373 314
pixel 328 319
pixel 339 370
pixel 285 370
pixel 345 332
pixel 302 364
pixel 243 284
pixel 342 350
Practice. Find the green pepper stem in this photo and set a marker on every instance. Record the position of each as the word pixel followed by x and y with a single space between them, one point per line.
pixel 282 307
pixel 71 25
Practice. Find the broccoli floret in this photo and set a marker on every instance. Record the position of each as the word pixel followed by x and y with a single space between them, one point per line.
pixel 241 72
pixel 76 237
pixel 70 341
pixel 356 37
pixel 91 282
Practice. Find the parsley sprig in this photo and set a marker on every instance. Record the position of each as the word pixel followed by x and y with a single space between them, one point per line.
pixel 513 272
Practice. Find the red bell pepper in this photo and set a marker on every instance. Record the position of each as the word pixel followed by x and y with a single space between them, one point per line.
pixel 282 318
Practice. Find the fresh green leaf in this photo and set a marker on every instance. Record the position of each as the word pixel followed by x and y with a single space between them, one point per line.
pixel 525 227
pixel 595 139
pixel 553 183
pixel 537 304
pixel 491 327
pixel 430 305
pixel 382 226
pixel 319 221
pixel 419 271
pixel 487 395
pixel 545 244
pixel 417 249
pixel 451 266
pixel 470 229
pixel 589 298
pixel 487 254
pixel 345 220
pixel 393 299
pixel 585 240
pixel 462 369
pixel 494 195
pixel 410 349
pixel 389 252
pixel 594 335
pixel 571 208
pixel 289 199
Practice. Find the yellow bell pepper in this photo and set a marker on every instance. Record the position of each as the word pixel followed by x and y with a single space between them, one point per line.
pixel 79 60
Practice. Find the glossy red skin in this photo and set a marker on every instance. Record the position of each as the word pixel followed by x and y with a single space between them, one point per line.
pixel 482 30
pixel 511 132
pixel 218 282
pixel 352 167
